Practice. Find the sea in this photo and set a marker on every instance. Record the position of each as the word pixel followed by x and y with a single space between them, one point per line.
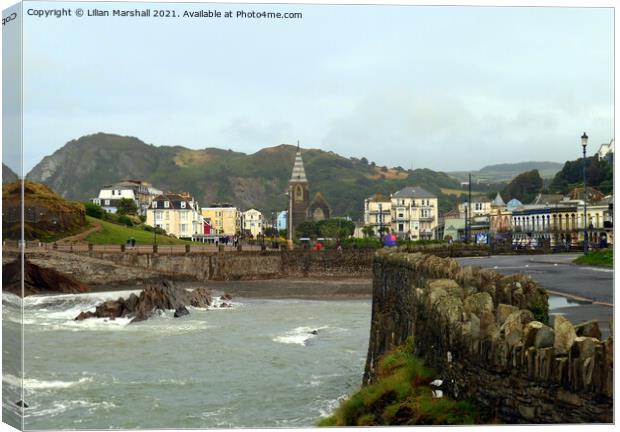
pixel 261 363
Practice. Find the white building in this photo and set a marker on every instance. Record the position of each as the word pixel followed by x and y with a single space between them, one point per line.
pixel 414 213
pixel 142 193
pixel 378 213
pixel 177 214
pixel 605 149
pixel 252 222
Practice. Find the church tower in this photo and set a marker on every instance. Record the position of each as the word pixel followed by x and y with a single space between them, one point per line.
pixel 298 195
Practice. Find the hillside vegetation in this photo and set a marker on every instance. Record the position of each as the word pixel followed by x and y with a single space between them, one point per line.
pixel 402 395
pixel 599 173
pixel 47 216
pixel 257 180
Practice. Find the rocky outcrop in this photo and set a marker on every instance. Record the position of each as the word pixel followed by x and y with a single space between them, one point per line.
pixel 162 296
pixel 38 280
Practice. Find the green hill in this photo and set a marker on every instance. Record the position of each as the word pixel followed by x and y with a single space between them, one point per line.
pixel 259 180
pixel 111 233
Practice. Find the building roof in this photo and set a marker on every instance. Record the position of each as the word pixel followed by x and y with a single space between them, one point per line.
pixel 174 199
pixel 548 198
pixel 514 203
pixel 378 197
pixel 593 194
pixel 299 173
pixel 413 192
pixel 319 200
pixel 498 201
pixel 452 214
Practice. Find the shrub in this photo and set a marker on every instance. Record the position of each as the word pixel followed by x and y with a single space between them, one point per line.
pixel 94 210
pixel 125 220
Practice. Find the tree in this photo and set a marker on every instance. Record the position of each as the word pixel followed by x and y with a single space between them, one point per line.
pixel 364 161
pixel 307 229
pixel 599 174
pixel 338 228
pixel 368 231
pixel 524 187
pixel 271 232
pixel 93 210
pixel 126 206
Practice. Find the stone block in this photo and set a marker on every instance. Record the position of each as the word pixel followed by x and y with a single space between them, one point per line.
pixel 527 411
pixel 479 303
pixel 513 326
pixel 588 329
pixel 564 335
pixel 503 311
pixel 448 285
pixel 566 397
pixel 529 333
pixel 487 324
pixel 545 337
pixel 474 326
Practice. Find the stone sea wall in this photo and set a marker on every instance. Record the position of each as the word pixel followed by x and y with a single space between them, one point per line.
pixel 488 338
pixel 247 265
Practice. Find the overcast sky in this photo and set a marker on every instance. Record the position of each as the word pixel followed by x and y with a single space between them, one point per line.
pixel 446 88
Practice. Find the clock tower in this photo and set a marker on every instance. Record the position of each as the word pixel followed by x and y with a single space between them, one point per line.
pixel 298 195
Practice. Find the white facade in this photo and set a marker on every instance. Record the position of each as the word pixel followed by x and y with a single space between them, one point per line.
pixel 605 149
pixel 177 214
pixel 252 221
pixel 140 192
pixel 414 214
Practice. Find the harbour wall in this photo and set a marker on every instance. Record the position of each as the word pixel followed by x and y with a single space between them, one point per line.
pixel 487 336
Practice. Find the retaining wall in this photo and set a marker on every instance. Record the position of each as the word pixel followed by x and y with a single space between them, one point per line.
pixel 487 337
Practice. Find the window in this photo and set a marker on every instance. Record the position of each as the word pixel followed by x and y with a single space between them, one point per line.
pixel 167 215
pixel 166 204
pixel 107 202
pixel 184 216
pixel 154 204
pixel 401 227
pixel 183 203
pixel 183 228
pixel 158 216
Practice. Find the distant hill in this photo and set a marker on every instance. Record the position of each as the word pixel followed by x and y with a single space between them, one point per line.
pixel 506 172
pixel 8 175
pixel 78 169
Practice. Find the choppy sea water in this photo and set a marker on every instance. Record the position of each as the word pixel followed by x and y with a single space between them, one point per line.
pixel 254 365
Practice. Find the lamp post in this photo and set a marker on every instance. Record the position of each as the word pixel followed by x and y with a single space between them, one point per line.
pixel 584 144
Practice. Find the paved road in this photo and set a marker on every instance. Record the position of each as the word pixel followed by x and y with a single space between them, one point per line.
pixel 555 273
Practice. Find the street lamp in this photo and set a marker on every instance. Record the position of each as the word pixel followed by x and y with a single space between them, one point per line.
pixel 584 144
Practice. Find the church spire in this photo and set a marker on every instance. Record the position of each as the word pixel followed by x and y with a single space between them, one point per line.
pixel 299 173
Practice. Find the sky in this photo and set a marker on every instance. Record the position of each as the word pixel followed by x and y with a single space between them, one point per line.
pixel 446 88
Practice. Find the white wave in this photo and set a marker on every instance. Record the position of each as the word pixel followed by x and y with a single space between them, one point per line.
pixel 11 300
pixel 298 336
pixel 60 407
pixel 34 384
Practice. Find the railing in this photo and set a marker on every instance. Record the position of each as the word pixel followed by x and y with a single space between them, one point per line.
pixel 160 249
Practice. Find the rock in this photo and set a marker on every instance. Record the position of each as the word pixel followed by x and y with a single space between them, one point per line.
pixel 225 305
pixel 479 303
pixel 450 308
pixel 181 311
pixel 564 334
pixel 513 326
pixel 21 403
pixel 529 333
pixel 448 285
pixel 503 311
pixel 588 329
pixel 201 297
pixel 226 296
pixel 545 337
pixel 38 280
pixel 156 297
pixel 314 332
pixel 487 323
pixel 584 346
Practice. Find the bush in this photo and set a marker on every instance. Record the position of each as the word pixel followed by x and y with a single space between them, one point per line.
pixel 125 220
pixel 94 210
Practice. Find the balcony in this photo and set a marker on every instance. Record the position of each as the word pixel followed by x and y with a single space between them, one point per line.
pixel 426 219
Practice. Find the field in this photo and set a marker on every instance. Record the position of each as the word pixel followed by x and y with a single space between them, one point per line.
pixel 118 234
pixel 459 192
